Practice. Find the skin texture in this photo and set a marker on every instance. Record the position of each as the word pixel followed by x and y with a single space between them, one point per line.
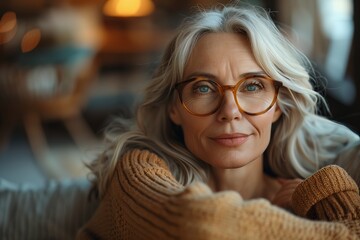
pixel 283 196
pixel 230 141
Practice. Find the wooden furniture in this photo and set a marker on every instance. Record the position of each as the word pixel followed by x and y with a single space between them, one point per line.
pixel 28 97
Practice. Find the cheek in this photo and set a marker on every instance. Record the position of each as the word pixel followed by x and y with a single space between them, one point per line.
pixel 194 130
pixel 263 124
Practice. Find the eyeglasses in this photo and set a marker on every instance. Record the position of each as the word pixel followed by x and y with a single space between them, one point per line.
pixel 254 94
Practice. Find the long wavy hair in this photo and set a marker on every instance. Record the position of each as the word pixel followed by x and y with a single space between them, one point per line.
pixel 301 140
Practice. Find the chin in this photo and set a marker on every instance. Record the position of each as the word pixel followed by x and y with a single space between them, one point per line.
pixel 230 165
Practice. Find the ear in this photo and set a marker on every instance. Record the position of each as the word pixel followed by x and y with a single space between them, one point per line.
pixel 174 114
pixel 277 113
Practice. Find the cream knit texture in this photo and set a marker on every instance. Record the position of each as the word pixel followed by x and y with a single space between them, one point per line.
pixel 144 201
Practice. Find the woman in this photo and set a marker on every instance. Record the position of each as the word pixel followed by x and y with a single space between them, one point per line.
pixel 230 97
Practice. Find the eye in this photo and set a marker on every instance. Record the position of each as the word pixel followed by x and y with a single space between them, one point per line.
pixel 252 86
pixel 203 87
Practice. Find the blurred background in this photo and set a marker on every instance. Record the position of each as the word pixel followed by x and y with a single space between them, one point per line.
pixel 67 67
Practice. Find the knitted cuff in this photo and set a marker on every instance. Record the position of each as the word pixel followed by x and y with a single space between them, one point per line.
pixel 329 194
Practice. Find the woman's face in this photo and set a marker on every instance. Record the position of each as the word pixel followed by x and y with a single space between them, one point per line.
pixel 227 138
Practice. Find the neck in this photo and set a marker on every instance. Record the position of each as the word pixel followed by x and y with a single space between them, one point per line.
pixel 250 181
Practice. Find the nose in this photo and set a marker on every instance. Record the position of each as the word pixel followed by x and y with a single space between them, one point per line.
pixel 229 110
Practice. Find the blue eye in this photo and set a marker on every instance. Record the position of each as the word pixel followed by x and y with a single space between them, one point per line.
pixel 251 87
pixel 203 89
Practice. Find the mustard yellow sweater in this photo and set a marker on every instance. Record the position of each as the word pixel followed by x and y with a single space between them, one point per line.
pixel 144 201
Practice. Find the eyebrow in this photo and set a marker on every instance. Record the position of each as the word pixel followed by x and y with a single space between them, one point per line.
pixel 209 75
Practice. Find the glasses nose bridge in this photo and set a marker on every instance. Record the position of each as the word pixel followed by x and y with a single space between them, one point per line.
pixel 232 88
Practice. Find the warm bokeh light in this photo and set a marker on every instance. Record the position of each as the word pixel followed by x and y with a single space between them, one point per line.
pixel 7 22
pixel 128 8
pixel 7 27
pixel 30 40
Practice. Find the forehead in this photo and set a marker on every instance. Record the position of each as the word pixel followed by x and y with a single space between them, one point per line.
pixel 220 50
pixel 221 43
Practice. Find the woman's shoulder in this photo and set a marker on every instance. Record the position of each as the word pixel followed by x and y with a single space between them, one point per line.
pixel 146 166
pixel 142 158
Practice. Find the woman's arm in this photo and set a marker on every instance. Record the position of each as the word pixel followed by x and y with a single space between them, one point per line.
pixel 336 199
pixel 144 201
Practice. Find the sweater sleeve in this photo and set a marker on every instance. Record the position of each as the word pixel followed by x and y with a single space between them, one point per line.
pixel 330 194
pixel 144 201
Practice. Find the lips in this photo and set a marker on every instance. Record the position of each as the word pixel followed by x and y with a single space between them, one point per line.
pixel 231 140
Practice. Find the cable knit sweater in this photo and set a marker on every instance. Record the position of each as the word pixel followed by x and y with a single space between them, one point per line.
pixel 144 201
